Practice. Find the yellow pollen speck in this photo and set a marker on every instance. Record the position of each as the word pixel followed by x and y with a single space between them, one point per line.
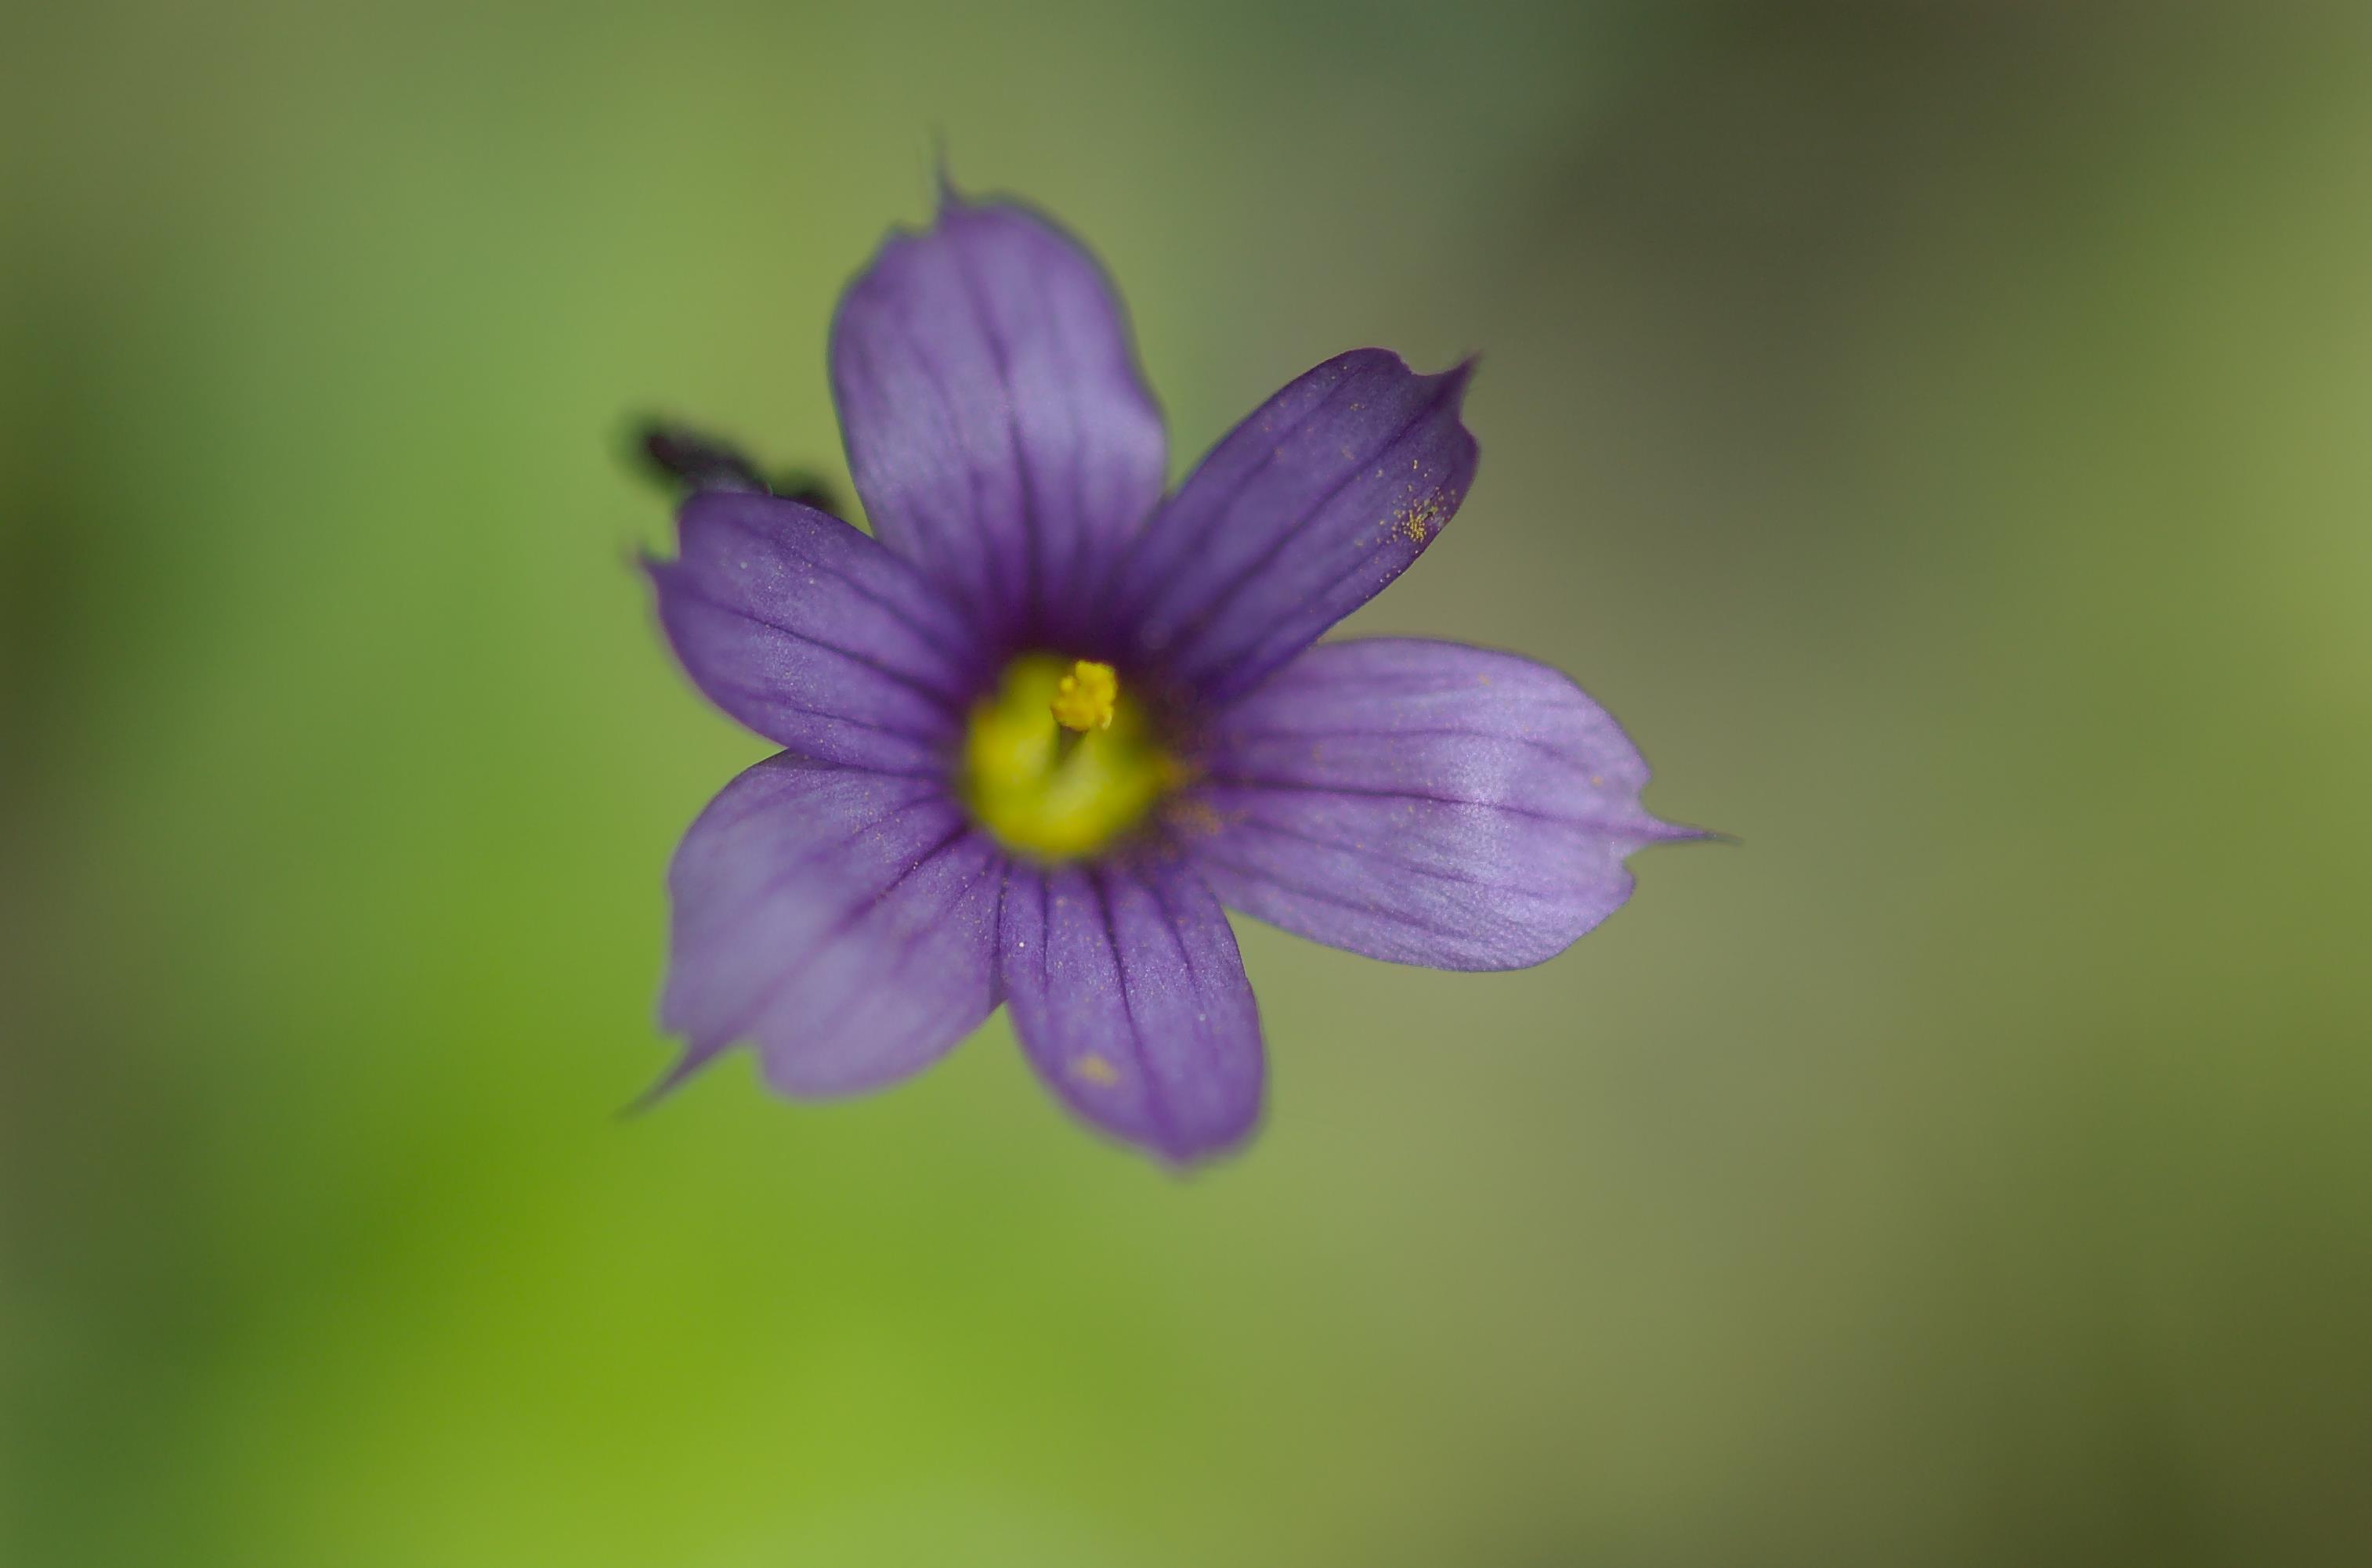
pixel 1418 520
pixel 1086 699
pixel 1194 816
pixel 1095 1071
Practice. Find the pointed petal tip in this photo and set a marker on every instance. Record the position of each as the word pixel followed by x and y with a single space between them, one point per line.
pixel 1180 1155
pixel 1186 1161
pixel 694 1059
pixel 1452 381
pixel 943 178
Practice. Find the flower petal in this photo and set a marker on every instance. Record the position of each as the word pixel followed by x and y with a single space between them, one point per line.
pixel 1424 802
pixel 1131 1001
pixel 843 921
pixel 996 424
pixel 1300 516
pixel 812 634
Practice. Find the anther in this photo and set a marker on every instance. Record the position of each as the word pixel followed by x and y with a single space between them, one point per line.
pixel 1084 699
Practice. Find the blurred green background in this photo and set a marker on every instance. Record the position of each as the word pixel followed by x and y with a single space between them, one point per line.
pixel 1939 430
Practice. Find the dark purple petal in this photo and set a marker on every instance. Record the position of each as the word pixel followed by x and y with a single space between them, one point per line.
pixel 1424 802
pixel 842 921
pixel 1300 516
pixel 997 428
pixel 812 634
pixel 1131 1001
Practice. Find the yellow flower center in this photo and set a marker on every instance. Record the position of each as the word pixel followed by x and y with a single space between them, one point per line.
pixel 1059 762
pixel 1087 697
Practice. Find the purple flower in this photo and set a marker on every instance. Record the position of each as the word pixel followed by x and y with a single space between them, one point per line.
pixel 1045 721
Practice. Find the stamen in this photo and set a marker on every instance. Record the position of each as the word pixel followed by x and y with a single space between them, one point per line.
pixel 1087 698
pixel 1059 760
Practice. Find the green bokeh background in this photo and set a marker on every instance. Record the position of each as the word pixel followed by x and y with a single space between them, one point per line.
pixel 1940 432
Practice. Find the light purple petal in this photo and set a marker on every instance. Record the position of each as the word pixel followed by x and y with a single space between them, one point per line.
pixel 842 921
pixel 1131 1002
pixel 996 424
pixel 1301 514
pixel 812 634
pixel 1424 802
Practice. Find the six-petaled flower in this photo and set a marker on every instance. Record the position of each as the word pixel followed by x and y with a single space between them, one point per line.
pixel 1044 723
